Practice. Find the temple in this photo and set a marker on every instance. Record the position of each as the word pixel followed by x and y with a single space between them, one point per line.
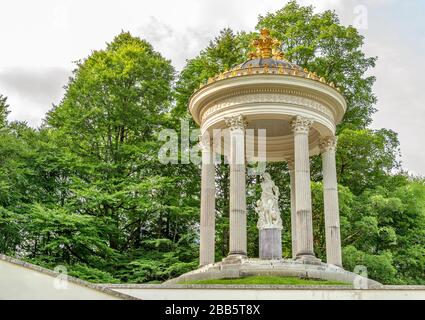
pixel 298 111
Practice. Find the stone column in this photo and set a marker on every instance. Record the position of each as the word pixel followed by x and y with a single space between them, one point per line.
pixel 304 224
pixel 207 226
pixel 238 245
pixel 293 211
pixel 330 194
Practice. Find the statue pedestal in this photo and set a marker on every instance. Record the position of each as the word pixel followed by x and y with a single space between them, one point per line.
pixel 270 243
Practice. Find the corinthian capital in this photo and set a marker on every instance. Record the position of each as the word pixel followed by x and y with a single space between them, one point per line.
pixel 328 143
pixel 301 124
pixel 235 122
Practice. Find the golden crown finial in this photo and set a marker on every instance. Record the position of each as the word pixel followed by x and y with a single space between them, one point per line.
pixel 264 43
pixel 266 47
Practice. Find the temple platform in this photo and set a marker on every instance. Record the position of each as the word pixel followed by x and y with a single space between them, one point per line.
pixel 282 267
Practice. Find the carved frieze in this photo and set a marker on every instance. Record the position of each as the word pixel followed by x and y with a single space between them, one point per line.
pixel 267 96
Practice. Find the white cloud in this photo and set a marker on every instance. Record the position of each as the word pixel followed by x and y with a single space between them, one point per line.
pixel 31 92
pixel 175 45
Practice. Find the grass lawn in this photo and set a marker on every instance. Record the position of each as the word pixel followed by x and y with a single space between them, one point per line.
pixel 268 280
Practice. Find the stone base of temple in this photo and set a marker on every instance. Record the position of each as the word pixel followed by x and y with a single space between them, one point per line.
pixel 283 267
pixel 232 259
pixel 308 259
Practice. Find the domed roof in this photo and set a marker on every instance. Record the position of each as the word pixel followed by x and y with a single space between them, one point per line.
pixel 275 65
pixel 268 63
pixel 267 59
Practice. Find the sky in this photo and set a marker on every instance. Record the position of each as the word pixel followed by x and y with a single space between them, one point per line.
pixel 40 41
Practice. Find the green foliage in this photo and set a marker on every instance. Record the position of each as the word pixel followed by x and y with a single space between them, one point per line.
pixel 91 274
pixel 384 230
pixel 4 111
pixel 379 267
pixel 366 158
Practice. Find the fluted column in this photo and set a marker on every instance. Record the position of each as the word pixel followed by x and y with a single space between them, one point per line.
pixel 304 224
pixel 238 245
pixel 330 194
pixel 293 211
pixel 207 226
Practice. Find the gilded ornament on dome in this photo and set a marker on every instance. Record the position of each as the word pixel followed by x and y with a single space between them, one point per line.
pixel 280 69
pixel 266 47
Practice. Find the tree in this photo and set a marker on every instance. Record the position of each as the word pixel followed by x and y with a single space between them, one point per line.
pixel 367 158
pixel 318 42
pixel 4 111
pixel 15 176
pixel 114 106
pixel 97 196
pixel 384 230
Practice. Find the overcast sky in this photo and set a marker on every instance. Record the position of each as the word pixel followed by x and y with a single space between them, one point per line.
pixel 39 40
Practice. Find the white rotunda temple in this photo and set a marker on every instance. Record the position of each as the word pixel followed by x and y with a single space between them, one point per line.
pixel 299 112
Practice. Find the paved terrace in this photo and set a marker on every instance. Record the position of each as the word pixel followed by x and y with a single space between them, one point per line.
pixel 267 292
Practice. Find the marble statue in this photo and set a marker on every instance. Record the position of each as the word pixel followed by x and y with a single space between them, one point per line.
pixel 267 207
